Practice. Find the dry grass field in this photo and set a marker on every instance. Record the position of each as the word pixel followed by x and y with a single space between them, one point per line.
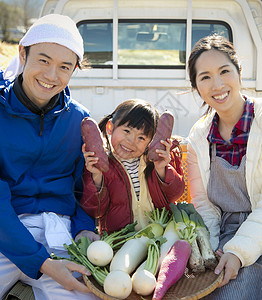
pixel 7 51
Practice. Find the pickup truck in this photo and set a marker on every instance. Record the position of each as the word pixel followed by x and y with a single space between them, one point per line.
pixel 139 49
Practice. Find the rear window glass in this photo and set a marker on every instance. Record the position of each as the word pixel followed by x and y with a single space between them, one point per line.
pixel 144 43
pixel 98 42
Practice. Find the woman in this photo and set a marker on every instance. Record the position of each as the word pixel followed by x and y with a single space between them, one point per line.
pixel 225 167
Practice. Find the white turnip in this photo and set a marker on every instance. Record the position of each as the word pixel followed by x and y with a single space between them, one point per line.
pixel 99 253
pixel 143 282
pixel 118 284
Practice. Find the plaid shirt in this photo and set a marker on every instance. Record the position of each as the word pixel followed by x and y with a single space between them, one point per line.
pixel 236 148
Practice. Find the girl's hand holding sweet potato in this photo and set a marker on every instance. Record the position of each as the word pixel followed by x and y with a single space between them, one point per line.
pixel 90 163
pixel 93 142
pixel 164 158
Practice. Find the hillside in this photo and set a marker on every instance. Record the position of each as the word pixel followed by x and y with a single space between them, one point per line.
pixel 7 51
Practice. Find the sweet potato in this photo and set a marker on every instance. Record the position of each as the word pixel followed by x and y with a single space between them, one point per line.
pixel 163 132
pixel 172 268
pixel 92 138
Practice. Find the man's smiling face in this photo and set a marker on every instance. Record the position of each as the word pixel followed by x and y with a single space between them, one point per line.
pixel 48 68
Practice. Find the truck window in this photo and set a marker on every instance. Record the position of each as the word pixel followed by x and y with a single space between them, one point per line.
pixel 150 43
pixel 98 42
pixel 144 43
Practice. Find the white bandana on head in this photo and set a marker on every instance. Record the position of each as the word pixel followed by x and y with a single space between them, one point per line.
pixel 53 28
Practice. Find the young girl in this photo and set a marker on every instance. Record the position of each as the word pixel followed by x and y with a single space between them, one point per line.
pixel 133 185
pixel 225 167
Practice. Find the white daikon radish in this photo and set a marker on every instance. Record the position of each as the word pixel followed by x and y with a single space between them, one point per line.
pixel 171 237
pixel 130 255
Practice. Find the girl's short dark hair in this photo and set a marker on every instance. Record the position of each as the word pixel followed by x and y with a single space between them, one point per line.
pixel 138 114
pixel 135 113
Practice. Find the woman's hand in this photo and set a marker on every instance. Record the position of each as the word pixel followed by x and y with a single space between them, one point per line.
pixel 90 161
pixel 231 264
pixel 165 158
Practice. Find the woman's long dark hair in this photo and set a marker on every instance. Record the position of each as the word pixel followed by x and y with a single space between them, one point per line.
pixel 211 42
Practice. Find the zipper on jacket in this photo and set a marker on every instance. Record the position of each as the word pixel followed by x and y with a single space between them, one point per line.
pixel 22 97
pixel 42 116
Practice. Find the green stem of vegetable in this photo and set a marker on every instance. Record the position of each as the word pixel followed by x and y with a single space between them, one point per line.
pixel 98 273
pixel 176 213
pixel 188 207
pixel 203 239
pixel 184 226
pixel 123 239
pixel 146 232
pixel 156 217
pixel 153 254
pixel 126 232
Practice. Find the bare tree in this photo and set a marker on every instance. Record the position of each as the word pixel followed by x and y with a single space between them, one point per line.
pixel 17 16
pixel 8 16
pixel 29 9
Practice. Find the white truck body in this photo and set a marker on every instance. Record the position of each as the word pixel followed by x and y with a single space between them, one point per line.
pixel 163 84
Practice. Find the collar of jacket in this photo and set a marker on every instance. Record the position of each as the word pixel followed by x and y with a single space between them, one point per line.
pixel 22 97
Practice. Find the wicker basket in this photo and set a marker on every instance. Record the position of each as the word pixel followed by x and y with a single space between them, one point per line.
pixel 189 287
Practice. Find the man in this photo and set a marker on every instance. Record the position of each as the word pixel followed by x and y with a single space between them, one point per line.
pixel 41 163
